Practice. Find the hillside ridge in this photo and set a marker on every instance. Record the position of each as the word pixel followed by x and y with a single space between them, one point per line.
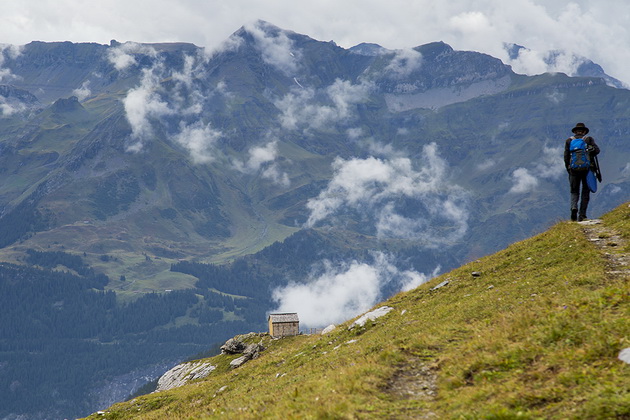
pixel 534 333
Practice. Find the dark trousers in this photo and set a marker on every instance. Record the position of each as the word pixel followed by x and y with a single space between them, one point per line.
pixel 577 179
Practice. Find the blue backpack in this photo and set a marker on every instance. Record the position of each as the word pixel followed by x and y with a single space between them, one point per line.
pixel 580 158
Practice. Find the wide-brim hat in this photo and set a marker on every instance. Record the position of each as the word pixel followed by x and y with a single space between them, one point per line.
pixel 579 126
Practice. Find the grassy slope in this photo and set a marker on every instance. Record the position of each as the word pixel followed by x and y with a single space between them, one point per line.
pixel 536 335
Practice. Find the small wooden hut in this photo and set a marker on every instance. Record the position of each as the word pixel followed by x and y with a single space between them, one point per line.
pixel 283 325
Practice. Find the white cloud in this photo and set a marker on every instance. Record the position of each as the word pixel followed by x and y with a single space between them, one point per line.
pixel 186 75
pixel 7 109
pixel 149 105
pixel 143 103
pixel 545 61
pixel 551 163
pixel 404 63
pixel 12 52
pixel 472 23
pixel 262 160
pixel 487 164
pixel 123 56
pixel 276 175
pixel 300 110
pixel 200 140
pixel 529 62
pixel 230 44
pixel 276 49
pixel 401 201
pixel 354 133
pixel 344 291
pixel 5 74
pixel 83 92
pixel 261 155
pixel 523 181
pixel 385 151
pixel 7 106
pixel 556 97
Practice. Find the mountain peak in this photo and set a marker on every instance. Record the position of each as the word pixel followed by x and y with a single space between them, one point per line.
pixel 434 49
pixel 258 26
pixel 369 49
pixel 67 105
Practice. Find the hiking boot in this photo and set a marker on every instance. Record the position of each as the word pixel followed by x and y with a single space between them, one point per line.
pixel 582 217
pixel 574 214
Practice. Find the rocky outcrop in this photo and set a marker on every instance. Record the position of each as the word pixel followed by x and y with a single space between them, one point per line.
pixel 371 316
pixel 252 351
pixel 329 329
pixel 233 346
pixel 184 373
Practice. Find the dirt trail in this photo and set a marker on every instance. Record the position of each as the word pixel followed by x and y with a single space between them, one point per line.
pixel 417 381
pixel 611 243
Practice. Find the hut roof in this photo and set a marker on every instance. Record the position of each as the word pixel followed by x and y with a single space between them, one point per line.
pixel 286 317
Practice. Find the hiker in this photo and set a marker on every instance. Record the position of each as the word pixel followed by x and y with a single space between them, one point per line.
pixel 579 151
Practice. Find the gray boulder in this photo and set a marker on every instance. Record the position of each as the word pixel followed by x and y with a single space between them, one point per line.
pixel 233 346
pixel 251 352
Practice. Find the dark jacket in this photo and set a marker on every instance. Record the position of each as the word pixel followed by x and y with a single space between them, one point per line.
pixel 590 141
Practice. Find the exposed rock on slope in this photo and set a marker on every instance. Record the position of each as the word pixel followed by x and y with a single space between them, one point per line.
pixel 184 373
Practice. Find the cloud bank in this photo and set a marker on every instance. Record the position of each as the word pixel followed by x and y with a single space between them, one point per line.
pixel 276 49
pixel 549 166
pixel 83 92
pixel 11 51
pixel 142 104
pixel 262 160
pixel 300 110
pixel 176 109
pixel 150 105
pixel 200 140
pixel 482 25
pixel 404 63
pixel 8 106
pixel 339 293
pixel 124 55
pixel 402 199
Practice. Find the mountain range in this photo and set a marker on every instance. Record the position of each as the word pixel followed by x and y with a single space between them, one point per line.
pixel 274 172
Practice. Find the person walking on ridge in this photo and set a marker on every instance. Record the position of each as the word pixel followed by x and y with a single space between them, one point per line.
pixel 579 152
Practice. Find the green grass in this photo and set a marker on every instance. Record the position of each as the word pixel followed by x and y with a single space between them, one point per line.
pixel 535 336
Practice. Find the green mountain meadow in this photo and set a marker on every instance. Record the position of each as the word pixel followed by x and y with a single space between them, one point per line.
pixel 533 331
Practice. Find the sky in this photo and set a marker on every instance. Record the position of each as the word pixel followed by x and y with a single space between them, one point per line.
pixel 596 29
